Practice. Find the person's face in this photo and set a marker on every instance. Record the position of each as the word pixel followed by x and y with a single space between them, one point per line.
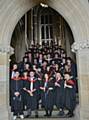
pixel 56 55
pixel 56 65
pixel 66 76
pixel 32 74
pixel 48 68
pixel 59 52
pixel 37 54
pixel 66 67
pixel 40 56
pixel 39 69
pixel 69 62
pixel 15 66
pixel 27 66
pixel 58 75
pixel 25 60
pixel 45 56
pixel 17 74
pixel 64 55
pixel 63 60
pixel 45 63
pixel 35 61
pixel 62 51
pixel 34 67
pixel 29 55
pixel 25 73
pixel 48 55
pixel 53 62
pixel 46 76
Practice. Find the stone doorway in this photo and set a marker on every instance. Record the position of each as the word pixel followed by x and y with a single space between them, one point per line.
pixel 28 32
pixel 74 13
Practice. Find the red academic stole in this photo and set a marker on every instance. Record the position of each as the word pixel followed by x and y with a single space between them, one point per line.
pixel 25 78
pixel 70 82
pixel 16 79
pixel 31 80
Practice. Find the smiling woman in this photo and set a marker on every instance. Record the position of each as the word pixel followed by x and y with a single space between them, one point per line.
pixel 76 15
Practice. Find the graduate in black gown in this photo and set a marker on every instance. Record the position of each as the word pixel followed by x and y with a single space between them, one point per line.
pixel 70 94
pixel 16 90
pixel 21 65
pixel 25 79
pixel 44 66
pixel 38 75
pixel 73 70
pixel 59 93
pixel 47 88
pixel 12 75
pixel 32 89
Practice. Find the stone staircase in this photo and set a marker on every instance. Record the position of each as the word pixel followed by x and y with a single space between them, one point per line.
pixel 54 115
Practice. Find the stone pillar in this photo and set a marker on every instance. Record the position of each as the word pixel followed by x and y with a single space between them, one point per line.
pixel 4 83
pixel 35 24
pixel 82 55
pixel 32 41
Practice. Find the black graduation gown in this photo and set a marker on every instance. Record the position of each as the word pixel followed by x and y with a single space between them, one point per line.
pixel 48 95
pixel 24 93
pixel 44 70
pixel 32 100
pixel 74 74
pixel 16 103
pixel 10 76
pixel 70 96
pixel 62 68
pixel 74 71
pixel 59 94
pixel 39 78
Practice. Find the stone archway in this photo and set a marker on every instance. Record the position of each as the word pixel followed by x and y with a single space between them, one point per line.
pixel 75 14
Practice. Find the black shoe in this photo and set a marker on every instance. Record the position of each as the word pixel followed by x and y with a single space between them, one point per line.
pixel 36 116
pixel 27 116
pixel 61 113
pixel 49 115
pixel 46 115
pixel 69 115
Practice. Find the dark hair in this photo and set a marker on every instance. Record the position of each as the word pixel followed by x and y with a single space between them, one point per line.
pixel 69 58
pixel 25 71
pixel 15 63
pixel 68 73
pixel 17 71
pixel 32 70
pixel 26 58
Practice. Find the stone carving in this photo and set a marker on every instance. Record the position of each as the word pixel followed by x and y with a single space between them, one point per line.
pixel 80 45
pixel 6 49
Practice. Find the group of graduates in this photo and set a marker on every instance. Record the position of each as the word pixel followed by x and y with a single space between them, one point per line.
pixel 45 77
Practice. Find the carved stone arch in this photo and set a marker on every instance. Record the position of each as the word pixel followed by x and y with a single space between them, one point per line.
pixel 67 9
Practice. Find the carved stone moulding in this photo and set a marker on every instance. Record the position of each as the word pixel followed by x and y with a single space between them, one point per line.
pixel 6 49
pixel 80 45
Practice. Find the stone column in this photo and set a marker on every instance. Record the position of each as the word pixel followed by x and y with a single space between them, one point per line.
pixel 82 55
pixel 35 24
pixel 4 82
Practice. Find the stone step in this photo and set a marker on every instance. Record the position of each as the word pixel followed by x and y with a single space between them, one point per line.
pixel 54 115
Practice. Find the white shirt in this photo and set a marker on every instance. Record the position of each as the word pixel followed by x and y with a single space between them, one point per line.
pixel 13 74
pixel 31 85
